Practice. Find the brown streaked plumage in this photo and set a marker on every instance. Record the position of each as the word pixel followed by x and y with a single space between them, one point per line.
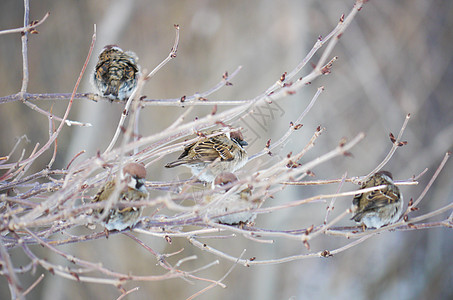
pixel 208 157
pixel 380 207
pixel 116 72
pixel 135 190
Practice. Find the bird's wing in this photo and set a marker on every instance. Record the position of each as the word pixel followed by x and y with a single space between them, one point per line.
pixel 212 149
pixel 381 198
pixel 105 192
pixel 186 151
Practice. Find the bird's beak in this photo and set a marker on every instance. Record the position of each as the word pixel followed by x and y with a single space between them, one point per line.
pixel 243 143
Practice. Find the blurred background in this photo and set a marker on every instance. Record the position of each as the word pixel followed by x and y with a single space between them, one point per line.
pixel 395 58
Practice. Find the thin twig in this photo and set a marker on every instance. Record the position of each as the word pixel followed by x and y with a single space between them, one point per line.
pixel 395 145
pixel 332 201
pixel 217 282
pixel 137 91
pixel 422 195
pixel 31 287
pixel 13 281
pixel 128 292
pixel 6 158
pixel 291 129
pixel 170 56
pixel 53 96
pixel 51 116
pixel 27 28
pixel 55 134
pixel 24 39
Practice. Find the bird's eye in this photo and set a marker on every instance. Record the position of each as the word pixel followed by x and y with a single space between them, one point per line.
pixel 138 184
pixel 240 142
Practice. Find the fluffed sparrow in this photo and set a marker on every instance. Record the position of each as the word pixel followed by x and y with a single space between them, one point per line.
pixel 116 72
pixel 380 207
pixel 220 207
pixel 121 218
pixel 210 156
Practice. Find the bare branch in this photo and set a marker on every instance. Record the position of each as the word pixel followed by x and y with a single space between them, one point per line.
pixel 31 287
pixel 28 28
pixel 441 166
pixel 395 144
pixel 47 207
pixel 24 38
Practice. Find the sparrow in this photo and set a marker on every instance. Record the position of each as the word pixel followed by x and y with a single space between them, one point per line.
pixel 121 218
pixel 220 207
pixel 116 72
pixel 210 156
pixel 379 207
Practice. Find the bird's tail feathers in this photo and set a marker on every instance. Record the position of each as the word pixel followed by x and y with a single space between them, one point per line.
pixel 174 163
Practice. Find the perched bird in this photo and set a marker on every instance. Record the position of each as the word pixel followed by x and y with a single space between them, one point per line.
pixel 210 156
pixel 116 72
pixel 379 207
pixel 133 175
pixel 220 207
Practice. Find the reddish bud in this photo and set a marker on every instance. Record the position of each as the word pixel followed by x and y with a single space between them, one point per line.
pixel 214 110
pixel 282 78
pixel 392 138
